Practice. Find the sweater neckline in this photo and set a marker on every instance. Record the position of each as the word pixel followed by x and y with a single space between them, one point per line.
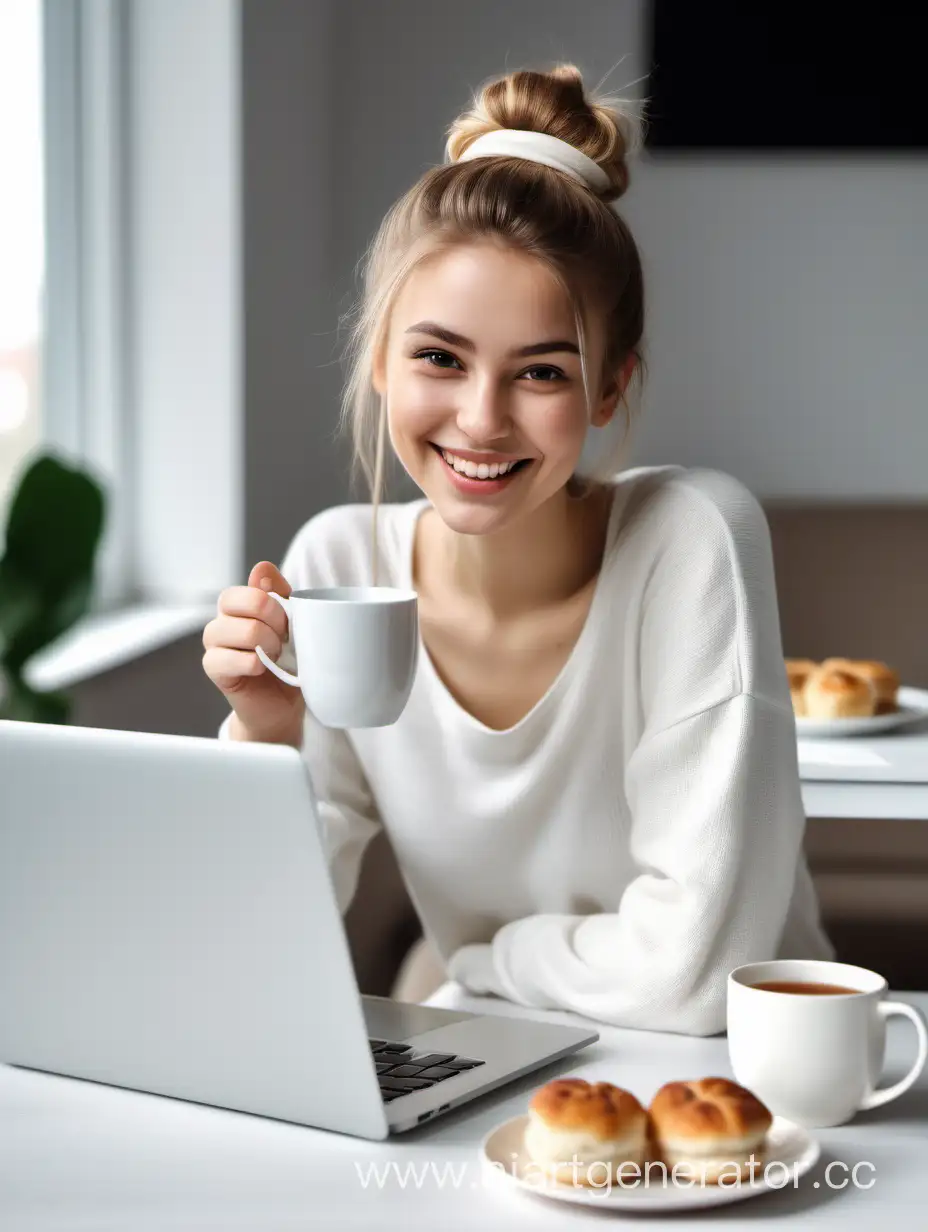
pixel 569 668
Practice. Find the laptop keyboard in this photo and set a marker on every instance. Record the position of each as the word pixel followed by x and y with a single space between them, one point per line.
pixel 401 1070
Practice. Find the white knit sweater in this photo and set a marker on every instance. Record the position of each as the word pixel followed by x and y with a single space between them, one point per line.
pixel 639 832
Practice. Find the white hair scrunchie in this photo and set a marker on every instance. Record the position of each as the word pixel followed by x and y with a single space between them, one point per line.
pixel 539 148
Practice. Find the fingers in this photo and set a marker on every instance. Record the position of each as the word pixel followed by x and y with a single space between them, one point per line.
pixel 246 617
pixel 268 577
pixel 230 669
pixel 242 633
pixel 253 603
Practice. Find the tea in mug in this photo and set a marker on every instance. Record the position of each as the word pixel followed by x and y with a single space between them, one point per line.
pixel 806 988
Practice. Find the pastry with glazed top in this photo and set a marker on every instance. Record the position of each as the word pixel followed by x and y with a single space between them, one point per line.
pixel 712 1129
pixel 834 693
pixel 797 673
pixel 884 679
pixel 578 1131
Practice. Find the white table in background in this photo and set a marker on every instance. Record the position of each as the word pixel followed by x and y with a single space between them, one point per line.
pixel 873 776
pixel 80 1156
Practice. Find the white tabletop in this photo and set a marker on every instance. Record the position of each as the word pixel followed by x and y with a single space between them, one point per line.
pixel 77 1155
pixel 881 777
pixel 899 756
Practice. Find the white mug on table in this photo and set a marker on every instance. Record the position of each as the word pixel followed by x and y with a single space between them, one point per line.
pixel 815 1059
pixel 356 650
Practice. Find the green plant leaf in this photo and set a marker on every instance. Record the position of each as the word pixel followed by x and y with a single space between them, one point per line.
pixel 47 623
pixel 29 706
pixel 55 523
pixel 20 605
pixel 46 576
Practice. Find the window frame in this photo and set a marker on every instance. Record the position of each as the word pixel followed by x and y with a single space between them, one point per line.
pixel 124 123
pixel 84 385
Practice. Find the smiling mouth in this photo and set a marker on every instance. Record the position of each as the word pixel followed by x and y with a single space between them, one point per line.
pixel 472 471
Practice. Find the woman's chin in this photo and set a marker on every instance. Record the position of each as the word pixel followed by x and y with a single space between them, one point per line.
pixel 466 519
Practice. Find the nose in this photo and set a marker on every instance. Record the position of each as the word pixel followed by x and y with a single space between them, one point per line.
pixel 484 413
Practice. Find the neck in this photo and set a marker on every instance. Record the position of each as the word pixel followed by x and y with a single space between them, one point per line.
pixel 544 559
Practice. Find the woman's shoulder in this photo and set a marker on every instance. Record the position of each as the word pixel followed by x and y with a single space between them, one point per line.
pixel 689 500
pixel 334 546
pixel 700 541
pixel 694 510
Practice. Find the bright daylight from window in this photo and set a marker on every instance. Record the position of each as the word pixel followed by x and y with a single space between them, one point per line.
pixel 22 248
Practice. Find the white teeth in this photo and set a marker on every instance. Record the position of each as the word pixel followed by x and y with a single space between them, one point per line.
pixel 475 470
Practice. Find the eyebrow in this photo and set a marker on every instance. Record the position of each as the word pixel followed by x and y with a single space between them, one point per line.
pixel 453 339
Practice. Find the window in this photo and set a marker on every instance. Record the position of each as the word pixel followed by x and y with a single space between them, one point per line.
pixel 22 238
pixel 137 107
pixel 142 328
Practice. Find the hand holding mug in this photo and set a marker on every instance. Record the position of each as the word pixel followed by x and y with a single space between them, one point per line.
pixel 248 620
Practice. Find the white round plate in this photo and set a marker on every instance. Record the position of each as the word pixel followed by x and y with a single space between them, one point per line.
pixel 504 1158
pixel 913 705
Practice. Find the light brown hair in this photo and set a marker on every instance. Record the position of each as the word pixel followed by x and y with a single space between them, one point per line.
pixel 519 204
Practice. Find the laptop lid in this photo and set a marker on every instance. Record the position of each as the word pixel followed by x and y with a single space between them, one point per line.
pixel 167 923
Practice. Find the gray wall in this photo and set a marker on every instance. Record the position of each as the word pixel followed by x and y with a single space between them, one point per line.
pixel 291 378
pixel 787 296
pixel 166 691
pixel 290 88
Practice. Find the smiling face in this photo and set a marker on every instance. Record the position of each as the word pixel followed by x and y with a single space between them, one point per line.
pixel 482 371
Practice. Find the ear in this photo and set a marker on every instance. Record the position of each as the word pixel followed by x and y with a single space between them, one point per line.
pixel 613 391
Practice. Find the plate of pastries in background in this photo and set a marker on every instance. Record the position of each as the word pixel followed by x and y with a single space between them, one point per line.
pixel 704 1142
pixel 850 697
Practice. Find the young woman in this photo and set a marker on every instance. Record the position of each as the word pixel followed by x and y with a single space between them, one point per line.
pixel 593 791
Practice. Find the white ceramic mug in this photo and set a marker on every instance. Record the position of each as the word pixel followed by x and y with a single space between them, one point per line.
pixel 815 1059
pixel 356 650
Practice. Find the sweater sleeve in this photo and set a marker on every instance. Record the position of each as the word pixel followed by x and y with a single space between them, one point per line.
pixel 712 787
pixel 348 815
pixel 717 830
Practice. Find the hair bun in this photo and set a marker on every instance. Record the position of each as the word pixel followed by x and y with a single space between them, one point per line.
pixel 553 102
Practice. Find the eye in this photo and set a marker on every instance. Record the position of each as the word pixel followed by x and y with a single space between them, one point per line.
pixel 549 373
pixel 543 373
pixel 426 355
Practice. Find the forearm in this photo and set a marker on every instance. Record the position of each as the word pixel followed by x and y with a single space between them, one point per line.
pixel 717 842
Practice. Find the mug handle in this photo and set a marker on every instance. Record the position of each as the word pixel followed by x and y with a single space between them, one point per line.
pixel 280 672
pixel 883 1095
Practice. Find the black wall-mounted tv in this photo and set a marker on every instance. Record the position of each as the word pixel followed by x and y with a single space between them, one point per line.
pixel 783 75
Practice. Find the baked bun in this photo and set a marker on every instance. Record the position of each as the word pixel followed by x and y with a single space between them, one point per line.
pixel 833 693
pixel 710 1127
pixel 578 1130
pixel 885 681
pixel 800 666
pixel 798 672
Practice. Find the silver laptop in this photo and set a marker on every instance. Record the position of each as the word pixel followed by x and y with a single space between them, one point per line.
pixel 168 924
